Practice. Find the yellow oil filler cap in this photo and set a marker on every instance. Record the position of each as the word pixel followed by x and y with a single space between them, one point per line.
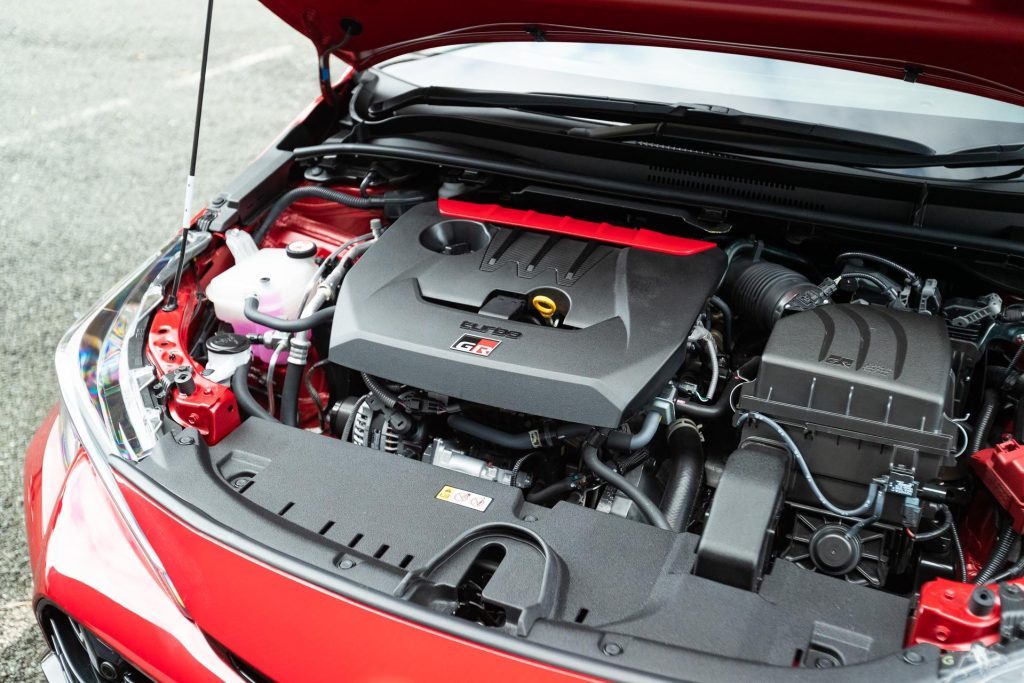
pixel 545 306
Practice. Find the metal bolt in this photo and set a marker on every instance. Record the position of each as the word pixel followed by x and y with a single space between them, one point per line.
pixel 530 518
pixel 346 564
pixel 316 171
pixel 240 482
pixel 824 663
pixel 186 441
pixel 611 649
pixel 1011 588
pixel 217 201
pixel 913 657
pixel 108 670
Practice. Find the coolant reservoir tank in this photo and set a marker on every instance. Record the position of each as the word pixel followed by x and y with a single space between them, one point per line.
pixel 277 276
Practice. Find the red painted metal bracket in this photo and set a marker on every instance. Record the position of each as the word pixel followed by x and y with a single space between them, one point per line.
pixel 211 408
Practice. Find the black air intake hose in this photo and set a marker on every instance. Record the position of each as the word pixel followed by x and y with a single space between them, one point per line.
pixel 685 470
pixel 343 198
pixel 760 290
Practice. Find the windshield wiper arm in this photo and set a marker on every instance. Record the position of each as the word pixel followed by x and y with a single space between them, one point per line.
pixel 630 111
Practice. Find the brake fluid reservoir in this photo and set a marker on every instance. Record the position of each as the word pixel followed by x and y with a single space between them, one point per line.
pixel 278 277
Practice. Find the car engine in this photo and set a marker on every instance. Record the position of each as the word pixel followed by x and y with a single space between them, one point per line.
pixel 818 408
pixel 525 321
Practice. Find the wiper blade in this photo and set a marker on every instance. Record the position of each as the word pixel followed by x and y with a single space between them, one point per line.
pixel 630 111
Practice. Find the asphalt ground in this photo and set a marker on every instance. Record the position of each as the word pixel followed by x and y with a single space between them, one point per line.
pixel 96 110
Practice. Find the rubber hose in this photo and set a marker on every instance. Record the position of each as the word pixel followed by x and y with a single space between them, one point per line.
pixel 712 411
pixel 290 394
pixel 984 424
pixel 290 197
pixel 630 442
pixel 552 491
pixel 865 256
pixel 377 388
pixel 685 471
pixel 708 411
pixel 646 506
pixel 995 562
pixel 873 279
pixel 718 303
pixel 247 405
pixel 524 441
pixel 252 312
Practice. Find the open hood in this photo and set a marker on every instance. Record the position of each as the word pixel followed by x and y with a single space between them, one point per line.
pixel 974 46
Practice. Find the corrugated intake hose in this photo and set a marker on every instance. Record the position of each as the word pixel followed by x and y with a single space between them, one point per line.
pixel 343 198
pixel 290 394
pixel 989 406
pixel 685 471
pixel 592 459
pixel 247 405
pixel 997 559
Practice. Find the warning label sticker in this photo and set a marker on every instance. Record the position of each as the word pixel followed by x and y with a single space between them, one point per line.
pixel 466 499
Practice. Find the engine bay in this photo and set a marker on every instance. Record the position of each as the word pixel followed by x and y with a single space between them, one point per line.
pixel 557 417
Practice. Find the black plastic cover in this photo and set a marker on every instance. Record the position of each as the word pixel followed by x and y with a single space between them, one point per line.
pixel 410 311
pixel 874 381
pixel 736 543
pixel 320 502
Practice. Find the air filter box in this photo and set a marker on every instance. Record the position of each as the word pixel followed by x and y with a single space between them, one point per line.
pixel 863 391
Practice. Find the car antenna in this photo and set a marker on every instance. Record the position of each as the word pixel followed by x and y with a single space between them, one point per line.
pixel 186 223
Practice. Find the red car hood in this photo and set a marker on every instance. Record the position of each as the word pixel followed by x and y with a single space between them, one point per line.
pixel 970 45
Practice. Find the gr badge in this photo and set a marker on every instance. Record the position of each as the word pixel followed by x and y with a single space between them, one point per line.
pixel 480 346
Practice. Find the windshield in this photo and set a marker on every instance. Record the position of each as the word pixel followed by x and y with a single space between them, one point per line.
pixel 945 120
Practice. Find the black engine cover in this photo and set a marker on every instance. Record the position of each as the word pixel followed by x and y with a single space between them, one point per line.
pixel 424 307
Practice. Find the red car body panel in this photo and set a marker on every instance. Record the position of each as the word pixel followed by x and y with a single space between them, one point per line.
pixel 84 562
pixel 970 45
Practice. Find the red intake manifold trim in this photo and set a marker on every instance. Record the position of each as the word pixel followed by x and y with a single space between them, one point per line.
pixel 637 238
